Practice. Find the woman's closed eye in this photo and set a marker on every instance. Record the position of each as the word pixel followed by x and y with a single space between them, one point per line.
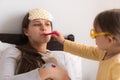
pixel 37 24
pixel 49 79
pixel 47 24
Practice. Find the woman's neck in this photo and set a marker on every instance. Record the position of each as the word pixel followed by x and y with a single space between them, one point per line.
pixel 40 47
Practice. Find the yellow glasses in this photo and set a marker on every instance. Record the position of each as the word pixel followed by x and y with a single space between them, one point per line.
pixel 94 34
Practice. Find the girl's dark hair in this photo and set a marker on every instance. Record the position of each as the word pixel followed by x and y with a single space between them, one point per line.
pixel 30 59
pixel 109 21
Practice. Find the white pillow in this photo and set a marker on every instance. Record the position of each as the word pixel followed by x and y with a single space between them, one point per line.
pixel 4 46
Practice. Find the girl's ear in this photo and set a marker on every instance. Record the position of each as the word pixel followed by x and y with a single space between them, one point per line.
pixel 111 38
pixel 25 31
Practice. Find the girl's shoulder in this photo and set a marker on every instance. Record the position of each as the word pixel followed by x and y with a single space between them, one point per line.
pixel 116 58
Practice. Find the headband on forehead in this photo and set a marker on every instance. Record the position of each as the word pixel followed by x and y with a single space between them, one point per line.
pixel 39 14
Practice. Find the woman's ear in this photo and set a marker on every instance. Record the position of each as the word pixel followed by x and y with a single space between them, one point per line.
pixel 25 31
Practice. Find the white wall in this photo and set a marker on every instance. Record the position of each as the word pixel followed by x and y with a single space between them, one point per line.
pixel 70 16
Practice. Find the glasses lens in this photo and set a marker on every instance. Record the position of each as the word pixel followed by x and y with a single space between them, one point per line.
pixel 92 33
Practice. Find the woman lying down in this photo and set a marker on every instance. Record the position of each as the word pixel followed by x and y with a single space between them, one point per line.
pixel 51 69
pixel 27 62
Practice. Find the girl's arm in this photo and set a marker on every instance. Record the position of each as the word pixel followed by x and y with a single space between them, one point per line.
pixel 81 50
pixel 89 52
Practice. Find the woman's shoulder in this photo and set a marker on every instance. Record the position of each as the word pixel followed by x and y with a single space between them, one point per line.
pixel 63 54
pixel 11 51
pixel 4 46
pixel 58 52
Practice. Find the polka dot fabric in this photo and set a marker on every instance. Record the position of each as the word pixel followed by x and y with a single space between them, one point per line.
pixel 39 13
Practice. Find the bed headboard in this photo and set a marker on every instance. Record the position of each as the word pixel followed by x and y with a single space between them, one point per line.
pixel 19 40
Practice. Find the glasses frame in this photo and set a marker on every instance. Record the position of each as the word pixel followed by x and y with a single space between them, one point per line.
pixel 94 34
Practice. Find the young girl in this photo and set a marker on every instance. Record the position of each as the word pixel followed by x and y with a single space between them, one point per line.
pixel 33 61
pixel 106 31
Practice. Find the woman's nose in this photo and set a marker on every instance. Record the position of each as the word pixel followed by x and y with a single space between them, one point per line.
pixel 43 28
